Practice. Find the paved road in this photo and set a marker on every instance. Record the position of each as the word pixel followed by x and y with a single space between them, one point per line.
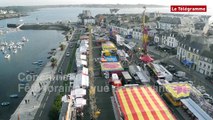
pixel 48 100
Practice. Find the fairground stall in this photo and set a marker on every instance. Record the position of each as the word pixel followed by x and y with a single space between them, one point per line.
pixel 109 46
pixel 111 67
pixel 176 91
pixel 139 103
pixel 159 72
pixel 194 110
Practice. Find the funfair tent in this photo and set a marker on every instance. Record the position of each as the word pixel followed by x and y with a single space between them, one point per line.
pixel 111 66
pixel 146 58
pixel 108 46
pixel 141 103
pixel 80 92
pixel 178 90
pixel 83 57
pixel 80 102
pixel 85 71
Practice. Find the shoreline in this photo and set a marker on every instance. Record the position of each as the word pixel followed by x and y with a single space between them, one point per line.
pixel 10 16
pixel 32 109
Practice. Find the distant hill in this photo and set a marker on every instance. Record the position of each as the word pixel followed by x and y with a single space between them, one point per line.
pixel 23 9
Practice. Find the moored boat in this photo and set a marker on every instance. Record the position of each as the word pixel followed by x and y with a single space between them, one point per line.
pixel 24 39
pixel 5 103
pixel 14 96
pixel 7 56
pixel 15 51
pixel 35 63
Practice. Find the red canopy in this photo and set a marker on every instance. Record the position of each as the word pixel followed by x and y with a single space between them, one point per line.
pixel 146 58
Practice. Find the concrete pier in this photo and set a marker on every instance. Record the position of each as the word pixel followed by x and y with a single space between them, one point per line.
pixel 40 26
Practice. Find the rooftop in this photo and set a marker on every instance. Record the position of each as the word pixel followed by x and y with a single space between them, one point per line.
pixel 170 20
pixel 138 103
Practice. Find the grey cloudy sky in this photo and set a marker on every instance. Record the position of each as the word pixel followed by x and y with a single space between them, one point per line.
pixel 57 2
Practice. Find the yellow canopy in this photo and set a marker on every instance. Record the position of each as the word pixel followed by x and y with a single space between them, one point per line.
pixel 178 90
pixel 108 46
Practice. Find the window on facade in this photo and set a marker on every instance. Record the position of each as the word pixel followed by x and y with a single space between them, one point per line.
pixel 208 66
pixel 188 55
pixel 204 65
pixel 207 72
pixel 200 63
pixel 193 57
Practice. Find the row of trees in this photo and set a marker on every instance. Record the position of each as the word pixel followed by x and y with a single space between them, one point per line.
pixel 54 60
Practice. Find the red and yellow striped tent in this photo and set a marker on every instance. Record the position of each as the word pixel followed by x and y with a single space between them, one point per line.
pixel 142 103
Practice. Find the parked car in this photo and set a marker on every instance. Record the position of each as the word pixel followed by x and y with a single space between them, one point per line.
pixel 183 78
pixel 209 77
pixel 71 46
pixel 180 74
pixel 68 54
pixel 163 63
pixel 5 103
pixel 171 68
pixel 190 82
pixel 60 72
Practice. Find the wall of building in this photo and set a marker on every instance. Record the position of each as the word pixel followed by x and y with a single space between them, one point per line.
pixel 205 67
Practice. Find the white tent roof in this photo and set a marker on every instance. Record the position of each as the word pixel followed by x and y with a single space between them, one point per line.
pixel 84 41
pixel 83 62
pixel 64 98
pixel 80 92
pixel 80 102
pixel 81 80
pixel 85 71
pixel 85 80
pixel 83 49
pixel 83 57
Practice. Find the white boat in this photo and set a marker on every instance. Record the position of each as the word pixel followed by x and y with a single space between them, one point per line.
pixel 7 56
pixel 24 39
pixel 19 46
pixel 5 103
pixel 40 61
pixel 35 63
pixel 14 96
pixel 11 43
pixel 15 51
pixel 10 47
pixel 2 48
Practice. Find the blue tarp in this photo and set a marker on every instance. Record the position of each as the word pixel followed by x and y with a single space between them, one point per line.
pixel 111 59
pixel 187 62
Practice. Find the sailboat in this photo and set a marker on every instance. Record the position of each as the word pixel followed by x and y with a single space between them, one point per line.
pixel 7 56
pixel 15 51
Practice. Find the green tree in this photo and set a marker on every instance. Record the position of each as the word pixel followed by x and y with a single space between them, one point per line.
pixel 158 18
pixel 53 62
pixel 62 46
pixel 146 19
pixel 55 108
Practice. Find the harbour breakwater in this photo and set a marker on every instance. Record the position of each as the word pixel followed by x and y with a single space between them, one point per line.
pixel 43 26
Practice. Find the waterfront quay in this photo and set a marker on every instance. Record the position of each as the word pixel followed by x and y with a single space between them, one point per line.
pixel 41 26
pixel 31 103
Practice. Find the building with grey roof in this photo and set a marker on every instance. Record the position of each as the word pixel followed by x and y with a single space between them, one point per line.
pixel 168 23
pixel 195 51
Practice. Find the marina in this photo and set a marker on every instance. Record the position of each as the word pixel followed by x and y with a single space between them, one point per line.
pixel 12 47
pixel 36 49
